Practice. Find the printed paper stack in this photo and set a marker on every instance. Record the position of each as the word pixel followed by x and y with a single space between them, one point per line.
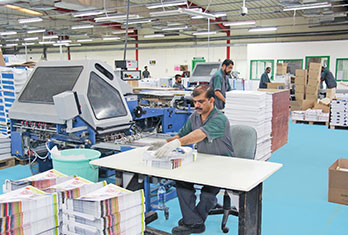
pixel 5 147
pixel 40 181
pixel 109 210
pixel 29 211
pixel 252 108
pixel 339 112
pixel 298 115
pixel 312 114
pixel 179 157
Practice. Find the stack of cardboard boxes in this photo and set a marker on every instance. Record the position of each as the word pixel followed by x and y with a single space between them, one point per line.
pixel 313 84
pixel 300 83
pixel 282 68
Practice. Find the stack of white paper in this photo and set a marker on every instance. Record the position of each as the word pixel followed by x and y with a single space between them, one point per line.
pixel 5 147
pixel 312 114
pixel 298 115
pixel 109 210
pixel 179 157
pixel 339 112
pixel 252 108
pixel 40 181
pixel 28 210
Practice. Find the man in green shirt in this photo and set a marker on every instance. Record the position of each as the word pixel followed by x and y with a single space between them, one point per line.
pixel 265 78
pixel 210 130
pixel 178 83
pixel 221 84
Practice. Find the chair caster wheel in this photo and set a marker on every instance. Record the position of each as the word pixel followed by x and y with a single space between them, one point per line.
pixel 225 230
pixel 166 214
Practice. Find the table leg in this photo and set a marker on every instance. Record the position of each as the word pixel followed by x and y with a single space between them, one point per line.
pixel 147 193
pixel 250 211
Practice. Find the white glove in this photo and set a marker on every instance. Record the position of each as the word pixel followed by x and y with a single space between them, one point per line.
pixel 166 149
pixel 156 145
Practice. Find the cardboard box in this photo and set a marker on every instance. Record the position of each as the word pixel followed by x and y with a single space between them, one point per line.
pixel 338 182
pixel 314 66
pixel 314 83
pixel 274 85
pixel 312 97
pixel 134 83
pixel 308 104
pixel 299 88
pixel 301 72
pixel 296 105
pixel 282 68
pixel 299 80
pixel 312 90
pixel 325 101
pixel 314 75
pixel 299 95
pixel 331 93
pixel 324 108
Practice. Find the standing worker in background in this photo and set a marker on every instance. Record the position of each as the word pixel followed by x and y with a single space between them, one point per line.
pixel 146 73
pixel 221 84
pixel 178 83
pixel 265 78
pixel 210 129
pixel 328 77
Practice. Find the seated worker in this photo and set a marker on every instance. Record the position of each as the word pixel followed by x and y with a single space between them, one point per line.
pixel 328 77
pixel 210 130
pixel 265 78
pixel 178 83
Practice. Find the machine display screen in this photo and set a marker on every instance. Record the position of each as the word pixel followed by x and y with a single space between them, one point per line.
pixel 47 82
pixel 105 100
pixel 205 69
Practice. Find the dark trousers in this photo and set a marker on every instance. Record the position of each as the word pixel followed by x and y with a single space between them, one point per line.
pixel 191 213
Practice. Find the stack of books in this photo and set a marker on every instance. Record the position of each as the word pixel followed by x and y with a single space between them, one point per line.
pixel 29 210
pixel 179 157
pixel 5 147
pixel 339 112
pixel 108 210
pixel 252 108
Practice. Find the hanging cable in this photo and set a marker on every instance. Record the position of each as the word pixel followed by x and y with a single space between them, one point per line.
pixel 206 9
pixel 126 41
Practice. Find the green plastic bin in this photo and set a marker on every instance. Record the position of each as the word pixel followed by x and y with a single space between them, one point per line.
pixel 76 162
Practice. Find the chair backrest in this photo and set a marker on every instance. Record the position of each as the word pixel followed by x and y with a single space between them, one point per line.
pixel 244 141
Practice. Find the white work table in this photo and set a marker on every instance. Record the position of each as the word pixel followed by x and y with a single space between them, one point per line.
pixel 222 172
pixel 240 175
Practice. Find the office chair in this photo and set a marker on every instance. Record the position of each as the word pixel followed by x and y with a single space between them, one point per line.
pixel 244 141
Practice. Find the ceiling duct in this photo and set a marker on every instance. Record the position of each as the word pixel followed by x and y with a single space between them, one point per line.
pixel 43 5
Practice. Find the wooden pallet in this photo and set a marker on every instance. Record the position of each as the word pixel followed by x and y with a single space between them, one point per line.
pixel 5 163
pixel 21 161
pixel 339 127
pixel 326 123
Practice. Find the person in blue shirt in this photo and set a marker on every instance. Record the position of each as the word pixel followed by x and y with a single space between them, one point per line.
pixel 178 83
pixel 265 78
pixel 328 78
pixel 221 84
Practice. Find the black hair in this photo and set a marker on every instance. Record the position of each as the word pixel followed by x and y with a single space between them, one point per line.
pixel 177 76
pixel 268 68
pixel 227 62
pixel 203 88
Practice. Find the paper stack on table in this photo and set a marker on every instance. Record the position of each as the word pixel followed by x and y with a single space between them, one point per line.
pixel 5 147
pixel 40 181
pixel 179 157
pixel 252 108
pixel 109 210
pixel 298 115
pixel 28 210
pixel 339 112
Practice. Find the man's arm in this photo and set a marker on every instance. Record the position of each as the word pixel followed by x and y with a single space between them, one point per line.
pixel 191 138
pixel 220 96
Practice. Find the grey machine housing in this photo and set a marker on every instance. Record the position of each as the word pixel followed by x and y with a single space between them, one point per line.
pixel 203 71
pixel 99 94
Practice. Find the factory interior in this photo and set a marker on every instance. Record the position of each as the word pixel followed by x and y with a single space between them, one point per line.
pixel 211 116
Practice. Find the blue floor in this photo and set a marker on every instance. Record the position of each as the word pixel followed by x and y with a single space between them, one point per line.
pixel 294 198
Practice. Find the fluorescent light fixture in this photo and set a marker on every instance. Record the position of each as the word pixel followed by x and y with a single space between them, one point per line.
pixel 64 41
pixel 154 36
pixel 28 43
pixel 12 40
pixel 239 23
pixel 178 27
pixel 217 15
pixel 50 37
pixel 111 38
pixel 263 29
pixel 204 33
pixel 21 9
pixel 308 6
pixel 88 13
pixel 195 12
pixel 166 4
pixel 141 21
pixel 86 26
pixel 75 45
pixel 85 40
pixel 29 20
pixel 166 13
pixel 46 42
pixel 123 31
pixel 31 39
pixel 11 45
pixel 115 18
pixel 36 31
pixel 60 44
pixel 8 33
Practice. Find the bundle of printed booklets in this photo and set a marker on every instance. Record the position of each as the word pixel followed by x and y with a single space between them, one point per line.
pixel 53 203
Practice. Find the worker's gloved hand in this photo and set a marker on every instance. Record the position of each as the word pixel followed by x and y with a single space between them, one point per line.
pixel 156 145
pixel 166 149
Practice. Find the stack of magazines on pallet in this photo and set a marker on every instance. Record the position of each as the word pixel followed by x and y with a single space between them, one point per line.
pixel 108 210
pixel 5 147
pixel 177 158
pixel 29 210
pixel 339 112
